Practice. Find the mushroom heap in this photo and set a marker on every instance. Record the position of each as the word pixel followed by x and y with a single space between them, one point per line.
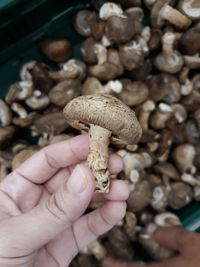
pixel 129 77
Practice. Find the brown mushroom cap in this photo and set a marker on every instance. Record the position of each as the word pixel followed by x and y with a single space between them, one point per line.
pixel 57 49
pixel 64 92
pixel 120 30
pixel 107 112
pixel 133 93
pixel 83 22
pixel 191 8
pixel 189 43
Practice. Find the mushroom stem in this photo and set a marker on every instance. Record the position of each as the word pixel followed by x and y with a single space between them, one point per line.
pixel 98 157
pixel 113 86
pixel 175 17
pixel 168 43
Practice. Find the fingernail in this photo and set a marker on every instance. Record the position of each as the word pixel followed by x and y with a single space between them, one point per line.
pixel 150 230
pixel 78 180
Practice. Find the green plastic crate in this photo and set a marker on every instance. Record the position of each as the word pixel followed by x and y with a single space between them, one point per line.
pixel 22 24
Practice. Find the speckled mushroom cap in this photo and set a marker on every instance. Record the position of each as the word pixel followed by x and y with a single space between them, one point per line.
pixel 107 112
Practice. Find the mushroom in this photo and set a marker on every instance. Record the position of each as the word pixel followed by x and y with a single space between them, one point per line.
pixel 118 244
pixel 192 101
pixel 191 8
pixel 97 249
pixel 144 114
pixel 83 21
pixel 191 132
pixel 196 82
pixel 6 133
pixel 183 156
pixel 5 163
pixel 187 85
pixel 197 117
pixel 166 168
pixel 180 112
pixel 130 222
pixel 72 69
pixel 93 86
pixel 165 143
pixel 19 91
pixel 84 260
pixel 64 92
pixel 25 74
pixel 169 60
pixel 149 3
pixel 5 114
pixel 38 100
pixel 24 119
pixel 159 200
pixel 164 87
pixel 179 196
pixel 41 78
pixel 88 51
pixel 131 55
pixel 50 124
pixel 190 179
pixel 110 9
pixel 57 49
pixel 192 62
pixel 22 156
pixel 141 72
pixel 160 116
pixel 189 43
pixel 154 42
pixel 110 69
pixel 162 12
pixel 140 197
pixel 104 117
pixel 167 219
pixel 133 93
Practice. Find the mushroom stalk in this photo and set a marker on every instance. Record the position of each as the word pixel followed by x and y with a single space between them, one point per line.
pixel 175 17
pixel 168 43
pixel 98 157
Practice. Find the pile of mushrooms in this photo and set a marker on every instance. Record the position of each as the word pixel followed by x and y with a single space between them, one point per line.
pixel 136 87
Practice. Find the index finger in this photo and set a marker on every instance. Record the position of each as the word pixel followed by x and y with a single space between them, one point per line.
pixel 45 163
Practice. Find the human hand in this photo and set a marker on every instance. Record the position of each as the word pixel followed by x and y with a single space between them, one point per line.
pixel 42 202
pixel 185 242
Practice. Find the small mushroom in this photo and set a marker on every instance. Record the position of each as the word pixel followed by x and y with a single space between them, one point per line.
pixel 97 249
pixel 93 86
pixel 180 113
pixel 192 101
pixel 131 55
pixel 52 123
pixel 169 60
pixel 109 10
pixel 191 132
pixel 149 3
pixel 167 219
pixel 189 43
pixel 21 157
pixel 25 74
pixel 159 199
pixel 88 52
pixel 196 82
pixel 162 12
pixel 141 72
pixel 191 8
pixel 38 100
pixel 19 91
pixel 119 245
pixel 186 83
pixel 133 93
pixel 72 69
pixel 57 49
pixel 145 111
pixel 64 92
pixel 5 114
pixel 192 62
pixel 190 179
pixel 166 168
pixel 179 196
pixel 6 133
pixel 41 78
pixel 103 116
pixel 24 119
pixel 197 117
pixel 154 42
pixel 164 148
pixel 140 197
pixel 83 22
pixel 130 222
pixel 183 156
pixel 160 116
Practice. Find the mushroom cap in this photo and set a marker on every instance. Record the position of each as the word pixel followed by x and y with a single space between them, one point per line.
pixel 57 49
pixel 5 114
pixel 189 43
pixel 191 8
pixel 83 22
pixel 64 92
pixel 167 219
pixel 156 19
pixel 107 112
pixel 19 91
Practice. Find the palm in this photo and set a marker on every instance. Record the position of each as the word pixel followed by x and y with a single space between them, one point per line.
pixel 28 188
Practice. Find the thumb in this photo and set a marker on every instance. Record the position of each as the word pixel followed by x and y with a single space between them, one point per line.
pixel 54 215
pixel 174 238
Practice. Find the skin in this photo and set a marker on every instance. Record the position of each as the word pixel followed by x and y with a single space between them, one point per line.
pixel 184 242
pixel 42 206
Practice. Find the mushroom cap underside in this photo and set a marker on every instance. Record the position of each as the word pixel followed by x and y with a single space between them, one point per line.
pixel 107 112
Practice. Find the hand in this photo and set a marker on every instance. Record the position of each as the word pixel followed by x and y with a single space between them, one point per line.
pixel 184 242
pixel 42 202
